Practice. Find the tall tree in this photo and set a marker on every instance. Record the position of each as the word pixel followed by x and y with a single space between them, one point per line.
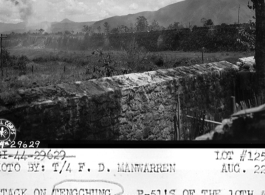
pixel 114 31
pixel 209 22
pixel 41 31
pixel 106 27
pixel 87 29
pixel 173 26
pixel 203 21
pixel 259 7
pixel 123 29
pixel 247 35
pixel 206 22
pixel 131 28
pixel 99 29
pixel 154 26
pixel 141 24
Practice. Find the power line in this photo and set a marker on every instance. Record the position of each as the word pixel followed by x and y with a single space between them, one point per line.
pixel 238 13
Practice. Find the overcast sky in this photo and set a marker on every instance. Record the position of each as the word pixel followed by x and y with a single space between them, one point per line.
pixel 13 11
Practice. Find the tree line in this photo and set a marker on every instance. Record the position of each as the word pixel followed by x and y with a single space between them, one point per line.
pixel 141 25
pixel 213 38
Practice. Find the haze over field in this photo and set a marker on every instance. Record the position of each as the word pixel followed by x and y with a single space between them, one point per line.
pixel 24 15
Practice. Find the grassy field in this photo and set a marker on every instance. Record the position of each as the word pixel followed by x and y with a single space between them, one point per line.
pixel 169 55
pixel 48 67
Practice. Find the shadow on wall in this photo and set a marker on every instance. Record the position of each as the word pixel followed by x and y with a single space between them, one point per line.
pixel 148 109
pixel 206 95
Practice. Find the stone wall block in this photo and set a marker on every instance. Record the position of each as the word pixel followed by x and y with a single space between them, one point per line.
pixel 105 122
pixel 135 106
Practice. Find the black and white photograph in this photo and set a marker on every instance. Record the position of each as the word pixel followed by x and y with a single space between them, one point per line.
pixel 132 171
pixel 132 70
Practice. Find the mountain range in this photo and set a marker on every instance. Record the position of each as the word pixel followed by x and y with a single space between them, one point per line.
pixel 190 12
pixel 64 25
pixel 187 12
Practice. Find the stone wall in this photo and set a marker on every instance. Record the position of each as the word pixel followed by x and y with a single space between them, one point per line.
pixel 139 106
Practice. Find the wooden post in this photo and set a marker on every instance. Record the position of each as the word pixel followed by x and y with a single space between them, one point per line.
pixel 238 13
pixel 203 121
pixel 202 55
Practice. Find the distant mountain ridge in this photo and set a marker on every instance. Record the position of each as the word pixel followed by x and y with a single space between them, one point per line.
pixel 66 20
pixel 64 25
pixel 188 12
pixel 68 25
pixel 6 27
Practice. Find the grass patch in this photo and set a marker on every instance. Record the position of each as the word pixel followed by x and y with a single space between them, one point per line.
pixel 50 67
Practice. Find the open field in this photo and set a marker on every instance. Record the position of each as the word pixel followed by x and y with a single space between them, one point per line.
pixel 172 55
pixel 49 67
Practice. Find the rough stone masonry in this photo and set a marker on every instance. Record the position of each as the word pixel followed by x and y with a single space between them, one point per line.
pixel 138 106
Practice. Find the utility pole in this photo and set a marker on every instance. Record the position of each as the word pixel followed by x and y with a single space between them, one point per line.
pixel 238 13
pixel 2 37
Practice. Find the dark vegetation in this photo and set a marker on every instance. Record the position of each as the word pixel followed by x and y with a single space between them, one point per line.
pixel 213 38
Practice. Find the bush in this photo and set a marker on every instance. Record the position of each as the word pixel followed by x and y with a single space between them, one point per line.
pixel 21 64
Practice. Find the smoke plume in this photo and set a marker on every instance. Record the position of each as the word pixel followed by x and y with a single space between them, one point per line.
pixel 24 7
pixel 26 13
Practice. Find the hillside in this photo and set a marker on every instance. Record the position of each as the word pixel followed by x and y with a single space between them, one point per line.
pixel 220 11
